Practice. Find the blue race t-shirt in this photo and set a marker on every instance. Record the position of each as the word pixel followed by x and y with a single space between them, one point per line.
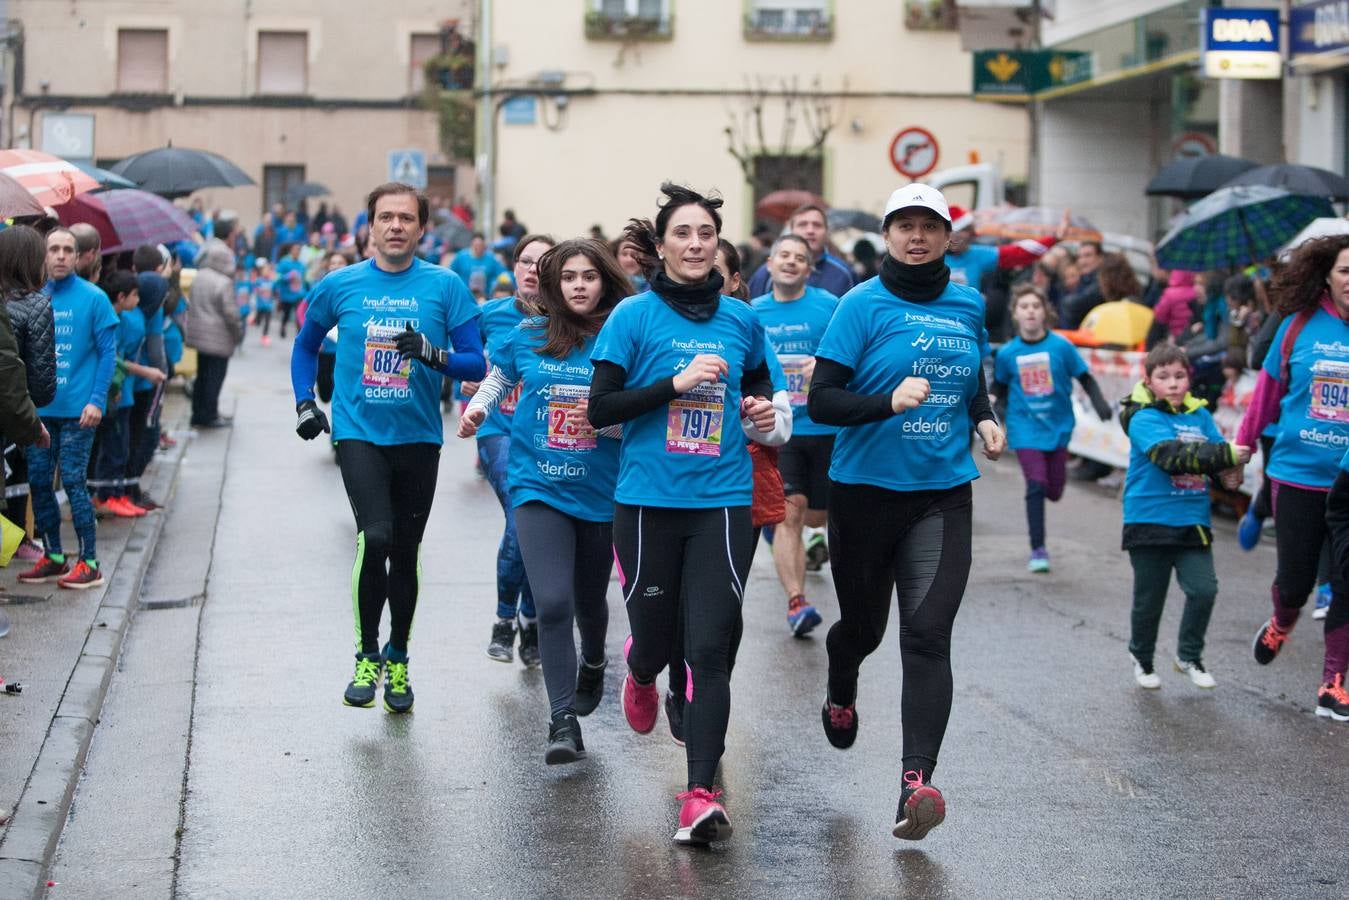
pixel 1314 415
pixel 173 335
pixel 478 272
pixel 378 396
pixel 1039 379
pixel 1152 495
pixel 884 340
pixel 688 453
pixel 971 266
pixel 496 321
pixel 290 280
pixel 131 331
pixel 80 313
pixel 794 328
pixel 571 469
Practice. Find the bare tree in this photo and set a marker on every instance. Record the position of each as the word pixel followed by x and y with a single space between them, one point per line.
pixel 811 111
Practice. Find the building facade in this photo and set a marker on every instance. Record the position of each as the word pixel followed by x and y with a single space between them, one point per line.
pixel 595 102
pixel 289 90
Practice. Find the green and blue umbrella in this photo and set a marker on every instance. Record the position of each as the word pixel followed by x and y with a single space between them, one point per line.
pixel 1237 225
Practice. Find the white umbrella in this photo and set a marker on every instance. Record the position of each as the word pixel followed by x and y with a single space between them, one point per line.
pixel 1323 227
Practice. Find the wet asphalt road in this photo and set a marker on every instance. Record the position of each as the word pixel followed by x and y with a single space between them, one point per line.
pixel 1062 778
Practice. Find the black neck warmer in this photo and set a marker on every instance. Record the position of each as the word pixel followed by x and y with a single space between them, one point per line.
pixel 918 284
pixel 695 302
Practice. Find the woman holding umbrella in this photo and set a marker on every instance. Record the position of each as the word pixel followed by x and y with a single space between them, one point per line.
pixel 1305 385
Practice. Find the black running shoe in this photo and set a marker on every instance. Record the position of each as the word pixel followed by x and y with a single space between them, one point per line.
pixel 674 714
pixel 589 687
pixel 840 724
pixel 502 647
pixel 397 688
pixel 564 740
pixel 361 691
pixel 1269 640
pixel 921 809
pixel 817 552
pixel 529 645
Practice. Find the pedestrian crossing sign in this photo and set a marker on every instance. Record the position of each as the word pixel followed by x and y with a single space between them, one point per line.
pixel 409 167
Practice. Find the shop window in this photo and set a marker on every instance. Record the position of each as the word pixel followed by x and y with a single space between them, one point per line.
pixel 142 61
pixel 283 62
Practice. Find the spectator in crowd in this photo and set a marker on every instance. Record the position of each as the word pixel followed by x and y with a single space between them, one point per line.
pixel 510 227
pixel 1087 295
pixel 828 272
pixel 88 260
pixel 213 325
pixel 477 266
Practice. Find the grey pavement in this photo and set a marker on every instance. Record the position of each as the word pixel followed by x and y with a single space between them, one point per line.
pixel 1062 778
pixel 62 650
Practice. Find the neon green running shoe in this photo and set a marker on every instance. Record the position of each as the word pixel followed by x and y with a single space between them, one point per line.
pixel 361 691
pixel 397 690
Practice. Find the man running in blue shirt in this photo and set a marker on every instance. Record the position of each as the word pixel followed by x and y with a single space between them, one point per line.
pixel 390 310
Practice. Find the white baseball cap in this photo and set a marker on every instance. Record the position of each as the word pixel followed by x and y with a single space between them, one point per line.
pixel 917 195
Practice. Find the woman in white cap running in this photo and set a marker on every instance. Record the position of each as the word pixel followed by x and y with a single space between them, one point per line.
pixel 899 368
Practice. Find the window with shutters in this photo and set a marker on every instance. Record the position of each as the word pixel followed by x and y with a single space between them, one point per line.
pixel 142 61
pixel 629 20
pixel 277 182
pixel 810 20
pixel 283 62
pixel 424 47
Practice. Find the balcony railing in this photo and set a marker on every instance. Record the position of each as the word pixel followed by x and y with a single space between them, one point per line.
pixel 789 25
pixel 602 27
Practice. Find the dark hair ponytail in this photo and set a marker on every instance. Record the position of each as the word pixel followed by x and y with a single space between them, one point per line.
pixel 676 195
pixel 642 235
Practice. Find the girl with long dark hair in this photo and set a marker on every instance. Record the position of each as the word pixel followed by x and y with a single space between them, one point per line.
pixel 561 475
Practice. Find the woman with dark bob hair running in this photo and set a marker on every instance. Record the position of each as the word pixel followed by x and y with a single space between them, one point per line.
pixel 676 365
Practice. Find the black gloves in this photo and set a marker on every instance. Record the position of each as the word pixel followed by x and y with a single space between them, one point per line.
pixel 414 345
pixel 1102 408
pixel 312 420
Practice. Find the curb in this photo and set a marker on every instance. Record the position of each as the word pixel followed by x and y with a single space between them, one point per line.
pixel 40 815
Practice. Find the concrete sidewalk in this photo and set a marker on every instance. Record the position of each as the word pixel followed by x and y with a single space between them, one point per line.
pixel 63 649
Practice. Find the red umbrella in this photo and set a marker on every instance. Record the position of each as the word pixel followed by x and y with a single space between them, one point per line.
pixel 89 209
pixel 778 206
pixel 15 201
pixel 50 179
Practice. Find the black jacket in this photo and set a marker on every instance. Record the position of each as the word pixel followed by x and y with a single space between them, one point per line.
pixel 18 416
pixel 31 317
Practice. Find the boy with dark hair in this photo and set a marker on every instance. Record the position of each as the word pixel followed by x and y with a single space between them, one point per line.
pixel 1175 446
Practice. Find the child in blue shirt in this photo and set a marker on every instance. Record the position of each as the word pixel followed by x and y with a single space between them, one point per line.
pixel 1175 446
pixel 1033 374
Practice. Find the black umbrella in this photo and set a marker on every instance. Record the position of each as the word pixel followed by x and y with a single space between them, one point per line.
pixel 853 218
pixel 1306 180
pixel 1196 176
pixel 306 189
pixel 176 171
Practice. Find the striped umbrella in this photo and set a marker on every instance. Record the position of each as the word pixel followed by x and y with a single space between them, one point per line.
pixel 50 179
pixel 140 217
pixel 1235 226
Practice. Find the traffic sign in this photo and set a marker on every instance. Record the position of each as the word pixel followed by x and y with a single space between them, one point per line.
pixel 913 152
pixel 409 167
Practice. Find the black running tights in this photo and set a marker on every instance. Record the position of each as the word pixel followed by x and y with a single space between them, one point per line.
pixel 567 561
pixel 916 543
pixel 390 489
pixel 703 555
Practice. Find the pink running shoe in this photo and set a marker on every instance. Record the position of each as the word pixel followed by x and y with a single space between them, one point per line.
pixel 641 702
pixel 702 819
pixel 921 808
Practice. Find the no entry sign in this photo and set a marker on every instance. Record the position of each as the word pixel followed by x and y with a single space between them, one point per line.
pixel 914 152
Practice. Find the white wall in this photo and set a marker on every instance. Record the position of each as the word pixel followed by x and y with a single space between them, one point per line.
pixel 1320 116
pixel 1073 18
pixel 1096 156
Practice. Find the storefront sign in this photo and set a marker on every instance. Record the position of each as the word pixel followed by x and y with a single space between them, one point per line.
pixel 1241 43
pixel 1321 27
pixel 1020 74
